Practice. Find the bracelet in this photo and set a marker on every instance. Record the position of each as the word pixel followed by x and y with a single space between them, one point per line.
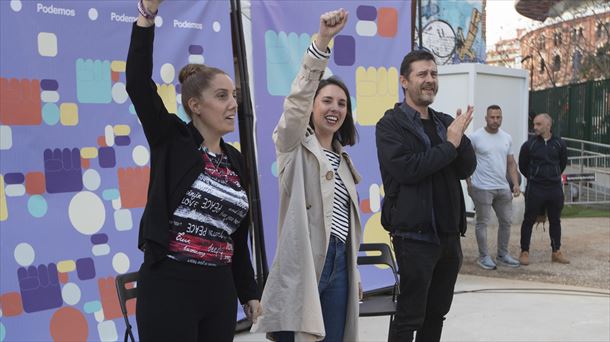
pixel 145 12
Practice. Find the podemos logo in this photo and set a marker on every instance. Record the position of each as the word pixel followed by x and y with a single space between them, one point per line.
pixel 50 9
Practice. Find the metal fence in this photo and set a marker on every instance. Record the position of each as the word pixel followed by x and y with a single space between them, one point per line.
pixel 579 111
pixel 587 176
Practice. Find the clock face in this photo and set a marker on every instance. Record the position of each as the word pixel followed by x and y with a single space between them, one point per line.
pixel 438 36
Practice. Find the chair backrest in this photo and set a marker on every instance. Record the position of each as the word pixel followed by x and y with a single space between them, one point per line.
pixel 384 258
pixel 124 293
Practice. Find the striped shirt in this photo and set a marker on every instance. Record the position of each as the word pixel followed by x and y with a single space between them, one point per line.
pixel 341 212
pixel 211 210
pixel 314 52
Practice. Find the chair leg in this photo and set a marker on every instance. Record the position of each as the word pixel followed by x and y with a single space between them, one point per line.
pixel 390 326
pixel 129 334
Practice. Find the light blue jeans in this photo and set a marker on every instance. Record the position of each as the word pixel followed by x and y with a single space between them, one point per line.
pixel 501 200
pixel 333 293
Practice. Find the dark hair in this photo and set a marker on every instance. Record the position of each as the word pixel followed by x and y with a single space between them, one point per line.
pixel 346 134
pixel 493 107
pixel 194 79
pixel 414 56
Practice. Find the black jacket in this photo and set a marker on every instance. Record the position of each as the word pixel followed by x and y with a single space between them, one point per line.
pixel 175 163
pixel 407 165
pixel 543 162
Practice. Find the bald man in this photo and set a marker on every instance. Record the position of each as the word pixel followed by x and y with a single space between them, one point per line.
pixel 542 159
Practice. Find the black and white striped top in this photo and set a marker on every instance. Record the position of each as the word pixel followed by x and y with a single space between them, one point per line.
pixel 340 220
pixel 314 52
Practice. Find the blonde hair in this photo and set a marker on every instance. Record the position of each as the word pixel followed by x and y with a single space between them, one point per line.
pixel 194 79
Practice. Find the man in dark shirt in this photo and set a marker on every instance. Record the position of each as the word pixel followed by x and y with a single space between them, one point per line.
pixel 542 159
pixel 423 154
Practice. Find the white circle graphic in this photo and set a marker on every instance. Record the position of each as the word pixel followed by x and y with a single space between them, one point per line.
pixel 158 21
pixel 87 213
pixel 16 5
pixel 24 254
pixel 140 155
pixel 91 179
pixel 70 293
pixel 168 73
pixel 93 14
pixel 216 26
pixel 119 94
pixel 120 263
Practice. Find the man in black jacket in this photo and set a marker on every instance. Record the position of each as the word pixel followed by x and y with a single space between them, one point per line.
pixel 423 154
pixel 542 159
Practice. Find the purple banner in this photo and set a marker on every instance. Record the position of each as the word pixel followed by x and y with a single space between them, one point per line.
pixel 74 162
pixel 366 55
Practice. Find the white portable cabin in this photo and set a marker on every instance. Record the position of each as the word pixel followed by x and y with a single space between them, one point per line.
pixel 482 85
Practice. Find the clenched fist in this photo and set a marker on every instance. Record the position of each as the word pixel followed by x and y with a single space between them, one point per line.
pixel 331 23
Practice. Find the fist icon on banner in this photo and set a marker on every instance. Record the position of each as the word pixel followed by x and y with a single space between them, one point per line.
pixel 284 53
pixel 376 91
pixel 62 169
pixel 39 287
pixel 93 81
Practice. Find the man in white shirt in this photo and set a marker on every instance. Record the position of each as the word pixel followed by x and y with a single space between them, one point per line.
pixel 488 187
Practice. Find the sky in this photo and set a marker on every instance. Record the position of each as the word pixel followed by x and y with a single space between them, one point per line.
pixel 503 20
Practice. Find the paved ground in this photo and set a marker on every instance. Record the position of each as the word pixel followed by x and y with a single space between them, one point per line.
pixel 585 241
pixel 547 301
pixel 550 313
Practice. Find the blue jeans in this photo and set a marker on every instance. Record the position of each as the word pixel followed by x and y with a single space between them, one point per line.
pixel 333 293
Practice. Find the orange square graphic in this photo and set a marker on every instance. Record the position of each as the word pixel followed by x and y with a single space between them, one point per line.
pixel 21 104
pixel 101 141
pixel 387 22
pixel 34 183
pixel 11 305
pixel 63 277
pixel 133 186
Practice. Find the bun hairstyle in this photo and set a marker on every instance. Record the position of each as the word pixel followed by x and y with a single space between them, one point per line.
pixel 194 79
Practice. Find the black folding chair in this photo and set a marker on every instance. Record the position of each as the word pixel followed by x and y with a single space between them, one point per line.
pixel 379 304
pixel 126 294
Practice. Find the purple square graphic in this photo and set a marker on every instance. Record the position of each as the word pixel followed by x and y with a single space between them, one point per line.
pixel 345 50
pixel 196 49
pixel 14 178
pixel 85 269
pixel 122 140
pixel 49 84
pixel 98 239
pixel 106 157
pixel 366 13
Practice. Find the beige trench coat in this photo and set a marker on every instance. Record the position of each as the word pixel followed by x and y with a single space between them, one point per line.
pixel 291 301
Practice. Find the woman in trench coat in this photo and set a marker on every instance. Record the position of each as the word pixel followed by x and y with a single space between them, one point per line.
pixel 313 288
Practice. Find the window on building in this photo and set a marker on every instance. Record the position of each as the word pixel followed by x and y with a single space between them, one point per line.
pixel 556 63
pixel 541 42
pixel 542 66
pixel 573 33
pixel 557 39
pixel 599 31
pixel 576 64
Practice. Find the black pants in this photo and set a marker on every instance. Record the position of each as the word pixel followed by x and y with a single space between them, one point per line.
pixel 537 198
pixel 427 278
pixel 183 302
